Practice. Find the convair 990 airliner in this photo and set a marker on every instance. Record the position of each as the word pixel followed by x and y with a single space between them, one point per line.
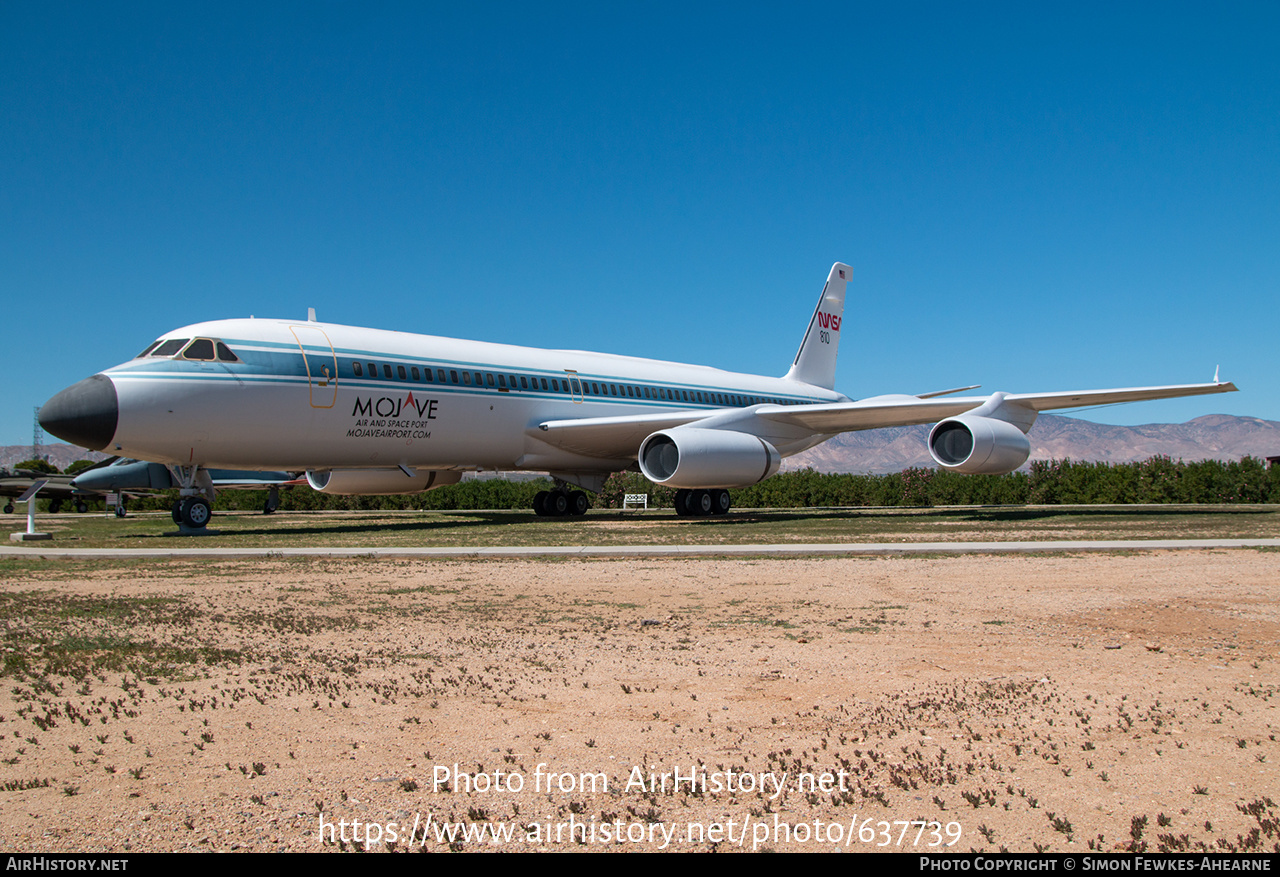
pixel 365 411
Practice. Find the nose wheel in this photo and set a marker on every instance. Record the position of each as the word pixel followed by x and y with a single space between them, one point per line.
pixel 192 512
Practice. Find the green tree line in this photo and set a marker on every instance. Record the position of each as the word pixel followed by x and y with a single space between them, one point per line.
pixel 1045 482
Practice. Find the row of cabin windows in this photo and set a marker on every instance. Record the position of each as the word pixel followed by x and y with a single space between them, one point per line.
pixel 557 385
pixel 210 349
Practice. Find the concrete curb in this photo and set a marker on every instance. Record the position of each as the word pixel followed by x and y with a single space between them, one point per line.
pixel 603 551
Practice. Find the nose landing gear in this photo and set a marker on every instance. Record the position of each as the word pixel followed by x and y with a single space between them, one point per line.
pixel 193 510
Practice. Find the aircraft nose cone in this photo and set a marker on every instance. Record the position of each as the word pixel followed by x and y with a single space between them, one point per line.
pixel 84 414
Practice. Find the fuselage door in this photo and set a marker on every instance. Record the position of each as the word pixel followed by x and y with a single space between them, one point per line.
pixel 575 385
pixel 321 364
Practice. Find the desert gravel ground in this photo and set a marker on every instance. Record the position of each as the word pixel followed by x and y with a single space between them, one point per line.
pixel 1060 702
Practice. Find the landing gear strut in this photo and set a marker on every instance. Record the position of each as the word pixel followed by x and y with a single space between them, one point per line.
pixel 560 502
pixel 699 503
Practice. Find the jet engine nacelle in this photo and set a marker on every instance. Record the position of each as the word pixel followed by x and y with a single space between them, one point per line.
pixel 978 445
pixel 701 458
pixel 374 482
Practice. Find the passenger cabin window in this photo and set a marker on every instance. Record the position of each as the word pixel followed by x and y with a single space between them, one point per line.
pixel 416 375
pixel 357 369
pixel 401 372
pixel 373 370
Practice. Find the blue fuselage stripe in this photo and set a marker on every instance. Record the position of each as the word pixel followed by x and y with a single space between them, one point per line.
pixel 284 364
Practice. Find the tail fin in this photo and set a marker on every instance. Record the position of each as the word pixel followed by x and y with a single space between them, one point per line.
pixel 816 360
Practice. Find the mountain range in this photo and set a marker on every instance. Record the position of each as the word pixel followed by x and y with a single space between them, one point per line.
pixel 1212 437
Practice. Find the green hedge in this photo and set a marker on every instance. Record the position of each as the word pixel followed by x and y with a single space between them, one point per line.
pixel 1157 480
pixel 1048 482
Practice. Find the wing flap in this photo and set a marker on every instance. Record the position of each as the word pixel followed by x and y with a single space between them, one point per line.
pixel 1079 399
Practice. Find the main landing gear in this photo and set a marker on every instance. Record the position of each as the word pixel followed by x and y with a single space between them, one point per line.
pixel 560 502
pixel 698 503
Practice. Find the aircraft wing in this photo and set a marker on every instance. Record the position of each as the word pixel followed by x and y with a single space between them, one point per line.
pixel 620 437
pixel 885 411
pixel 225 479
pixel 55 486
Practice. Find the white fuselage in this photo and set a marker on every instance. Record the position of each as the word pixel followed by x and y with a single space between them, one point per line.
pixel 306 395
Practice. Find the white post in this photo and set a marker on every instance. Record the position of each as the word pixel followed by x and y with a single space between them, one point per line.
pixel 29 497
pixel 31 506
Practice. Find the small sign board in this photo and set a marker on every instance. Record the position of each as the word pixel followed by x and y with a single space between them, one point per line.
pixel 32 490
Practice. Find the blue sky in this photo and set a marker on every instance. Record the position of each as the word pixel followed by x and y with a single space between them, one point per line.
pixel 1032 196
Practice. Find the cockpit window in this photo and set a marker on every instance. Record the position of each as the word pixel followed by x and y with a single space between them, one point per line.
pixel 150 347
pixel 201 348
pixel 170 347
pixel 225 354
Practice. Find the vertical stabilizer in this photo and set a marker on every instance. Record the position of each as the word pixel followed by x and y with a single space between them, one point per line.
pixel 816 360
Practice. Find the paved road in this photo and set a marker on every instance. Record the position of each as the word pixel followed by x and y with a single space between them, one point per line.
pixel 189 550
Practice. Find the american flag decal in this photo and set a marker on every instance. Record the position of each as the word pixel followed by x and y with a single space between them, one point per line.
pixel 841 270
